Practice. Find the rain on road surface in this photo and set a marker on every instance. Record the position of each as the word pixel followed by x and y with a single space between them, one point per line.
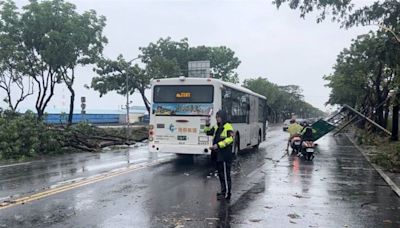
pixel 270 189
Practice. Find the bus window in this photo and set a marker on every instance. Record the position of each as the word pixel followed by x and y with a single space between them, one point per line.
pixel 236 104
pixel 261 111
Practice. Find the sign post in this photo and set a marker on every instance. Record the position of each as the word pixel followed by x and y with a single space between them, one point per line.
pixel 199 69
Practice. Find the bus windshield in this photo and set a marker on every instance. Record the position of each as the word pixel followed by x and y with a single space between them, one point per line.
pixel 186 100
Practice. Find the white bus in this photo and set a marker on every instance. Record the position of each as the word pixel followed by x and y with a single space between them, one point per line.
pixel 181 106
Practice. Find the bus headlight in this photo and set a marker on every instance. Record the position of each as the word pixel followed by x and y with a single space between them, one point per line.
pixel 150 138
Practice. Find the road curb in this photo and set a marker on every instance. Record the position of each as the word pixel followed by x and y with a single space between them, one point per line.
pixel 385 177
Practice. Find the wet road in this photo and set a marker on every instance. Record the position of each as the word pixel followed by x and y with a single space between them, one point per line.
pixel 270 189
pixel 29 177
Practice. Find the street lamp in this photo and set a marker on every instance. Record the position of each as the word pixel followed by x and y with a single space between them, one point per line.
pixel 127 101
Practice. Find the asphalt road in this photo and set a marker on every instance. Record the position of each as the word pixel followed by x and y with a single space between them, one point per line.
pixel 134 188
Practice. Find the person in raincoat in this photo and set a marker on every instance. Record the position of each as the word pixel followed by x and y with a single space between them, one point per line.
pixel 294 129
pixel 222 134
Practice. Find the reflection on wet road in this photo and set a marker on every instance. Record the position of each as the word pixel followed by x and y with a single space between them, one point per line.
pixel 270 189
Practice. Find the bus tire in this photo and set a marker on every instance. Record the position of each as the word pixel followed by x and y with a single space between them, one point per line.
pixel 259 140
pixel 236 145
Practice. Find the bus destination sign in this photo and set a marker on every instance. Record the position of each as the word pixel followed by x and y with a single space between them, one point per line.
pixel 183 95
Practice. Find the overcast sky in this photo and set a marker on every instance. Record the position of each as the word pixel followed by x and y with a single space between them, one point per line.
pixel 271 43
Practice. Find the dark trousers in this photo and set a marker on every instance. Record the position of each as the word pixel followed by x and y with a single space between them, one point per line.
pixel 214 157
pixel 214 162
pixel 224 174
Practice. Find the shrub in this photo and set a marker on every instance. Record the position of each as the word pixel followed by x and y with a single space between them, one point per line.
pixel 24 136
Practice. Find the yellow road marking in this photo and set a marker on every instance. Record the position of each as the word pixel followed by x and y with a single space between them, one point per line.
pixel 66 187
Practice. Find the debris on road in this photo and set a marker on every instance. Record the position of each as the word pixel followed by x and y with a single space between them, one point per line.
pixel 294 216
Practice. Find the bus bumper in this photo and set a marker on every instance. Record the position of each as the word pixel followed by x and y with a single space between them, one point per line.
pixel 179 149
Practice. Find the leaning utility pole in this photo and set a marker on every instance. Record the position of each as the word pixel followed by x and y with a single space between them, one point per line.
pixel 127 108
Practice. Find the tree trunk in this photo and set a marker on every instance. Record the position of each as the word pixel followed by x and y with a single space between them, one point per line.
pixel 379 114
pixel 10 102
pixel 395 123
pixel 40 113
pixel 145 100
pixel 386 117
pixel 43 99
pixel 71 105
pixel 70 82
pixel 379 96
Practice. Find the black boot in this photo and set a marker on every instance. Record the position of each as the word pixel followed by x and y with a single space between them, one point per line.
pixel 220 193
pixel 228 196
pixel 220 197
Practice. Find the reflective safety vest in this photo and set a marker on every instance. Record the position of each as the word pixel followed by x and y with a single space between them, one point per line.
pixel 226 139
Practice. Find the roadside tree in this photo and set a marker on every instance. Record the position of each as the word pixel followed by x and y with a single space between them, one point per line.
pixel 56 39
pixel 16 86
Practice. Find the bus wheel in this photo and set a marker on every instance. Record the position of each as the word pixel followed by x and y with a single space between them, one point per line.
pixel 236 145
pixel 259 141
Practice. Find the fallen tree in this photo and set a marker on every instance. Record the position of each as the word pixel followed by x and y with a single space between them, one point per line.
pixel 22 136
pixel 91 138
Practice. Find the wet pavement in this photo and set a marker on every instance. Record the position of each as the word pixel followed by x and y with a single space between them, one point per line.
pixel 270 189
pixel 29 177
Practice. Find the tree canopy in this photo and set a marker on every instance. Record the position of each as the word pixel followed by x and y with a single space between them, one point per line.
pixel 45 42
pixel 344 11
pixel 167 58
pixel 11 78
pixel 365 73
pixel 282 101
pixel 163 59
pixel 121 76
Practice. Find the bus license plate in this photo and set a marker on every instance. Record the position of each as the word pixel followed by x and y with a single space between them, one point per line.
pixel 182 137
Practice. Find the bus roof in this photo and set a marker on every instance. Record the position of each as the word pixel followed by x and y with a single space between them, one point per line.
pixel 204 81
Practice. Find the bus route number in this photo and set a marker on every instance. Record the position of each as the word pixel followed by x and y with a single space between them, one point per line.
pixel 183 95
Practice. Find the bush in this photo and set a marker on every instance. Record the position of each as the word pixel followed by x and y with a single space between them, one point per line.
pixel 23 136
pixel 386 154
pixel 365 138
pixel 388 157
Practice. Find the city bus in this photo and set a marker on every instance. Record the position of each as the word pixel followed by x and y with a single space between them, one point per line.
pixel 181 106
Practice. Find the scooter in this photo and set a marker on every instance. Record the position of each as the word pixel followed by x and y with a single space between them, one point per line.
pixel 296 144
pixel 308 149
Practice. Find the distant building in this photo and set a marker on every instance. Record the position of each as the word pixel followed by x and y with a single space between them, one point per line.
pixel 137 114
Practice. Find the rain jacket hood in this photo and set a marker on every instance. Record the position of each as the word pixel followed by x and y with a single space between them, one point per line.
pixel 223 115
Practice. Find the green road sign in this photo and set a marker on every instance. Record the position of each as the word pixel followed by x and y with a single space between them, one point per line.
pixel 321 128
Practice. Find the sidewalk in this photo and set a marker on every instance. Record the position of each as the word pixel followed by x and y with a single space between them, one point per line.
pixel 392 179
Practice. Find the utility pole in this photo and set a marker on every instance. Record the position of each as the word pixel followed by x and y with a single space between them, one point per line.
pixel 128 133
pixel 127 108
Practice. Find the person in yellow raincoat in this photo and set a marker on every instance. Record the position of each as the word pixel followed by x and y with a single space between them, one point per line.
pixel 293 129
pixel 222 146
